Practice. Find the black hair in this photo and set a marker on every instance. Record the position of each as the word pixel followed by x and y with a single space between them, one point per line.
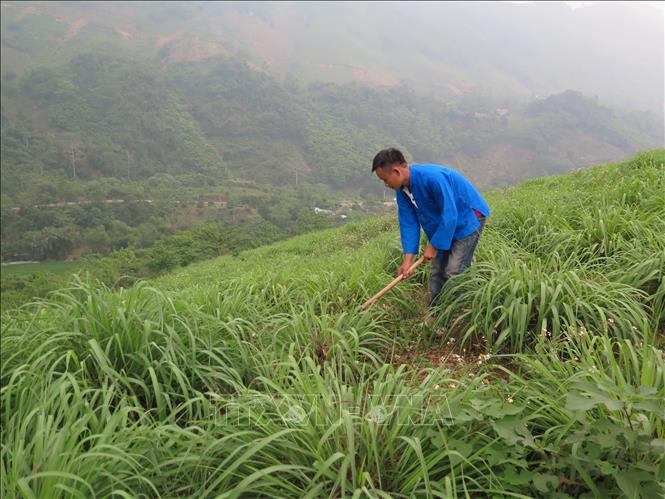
pixel 388 157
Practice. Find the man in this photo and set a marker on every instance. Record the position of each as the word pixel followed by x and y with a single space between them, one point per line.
pixel 441 201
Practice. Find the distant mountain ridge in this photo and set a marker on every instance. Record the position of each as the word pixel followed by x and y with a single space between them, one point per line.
pixel 610 49
pixel 101 116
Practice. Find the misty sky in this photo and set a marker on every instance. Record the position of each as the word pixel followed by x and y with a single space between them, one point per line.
pixel 516 50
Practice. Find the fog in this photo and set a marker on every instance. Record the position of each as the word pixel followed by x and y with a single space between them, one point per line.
pixel 610 49
pixel 613 50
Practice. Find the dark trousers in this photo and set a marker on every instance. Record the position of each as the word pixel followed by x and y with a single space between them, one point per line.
pixel 453 261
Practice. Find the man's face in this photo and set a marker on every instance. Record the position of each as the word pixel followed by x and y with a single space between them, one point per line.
pixel 392 176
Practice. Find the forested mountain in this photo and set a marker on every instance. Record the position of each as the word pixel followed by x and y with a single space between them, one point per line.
pixel 93 115
pixel 100 116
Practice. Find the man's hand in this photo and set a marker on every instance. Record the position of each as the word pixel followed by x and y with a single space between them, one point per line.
pixel 430 252
pixel 404 268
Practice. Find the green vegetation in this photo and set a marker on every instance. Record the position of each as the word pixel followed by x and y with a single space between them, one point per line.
pixel 22 283
pixel 254 375
pixel 134 146
pixel 103 154
pixel 130 262
pixel 568 253
pixel 55 267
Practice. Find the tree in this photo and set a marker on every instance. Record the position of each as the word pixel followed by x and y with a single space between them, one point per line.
pixel 98 240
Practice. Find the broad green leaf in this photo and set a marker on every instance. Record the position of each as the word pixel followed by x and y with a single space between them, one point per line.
pixel 586 401
pixel 510 475
pixel 545 483
pixel 513 430
pixel 629 481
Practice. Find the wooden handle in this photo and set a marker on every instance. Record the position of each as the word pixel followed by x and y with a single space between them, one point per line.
pixel 392 284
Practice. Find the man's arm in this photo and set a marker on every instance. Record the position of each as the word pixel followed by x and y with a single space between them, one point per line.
pixel 409 230
pixel 440 190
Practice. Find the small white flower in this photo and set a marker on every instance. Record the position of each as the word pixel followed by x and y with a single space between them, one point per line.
pixel 509 399
pixel 436 387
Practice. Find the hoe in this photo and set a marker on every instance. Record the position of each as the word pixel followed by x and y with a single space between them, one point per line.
pixel 392 284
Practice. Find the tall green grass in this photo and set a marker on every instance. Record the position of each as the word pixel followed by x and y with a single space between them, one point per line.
pixel 585 250
pixel 254 376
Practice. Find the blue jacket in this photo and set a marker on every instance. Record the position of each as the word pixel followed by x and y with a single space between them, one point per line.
pixel 445 202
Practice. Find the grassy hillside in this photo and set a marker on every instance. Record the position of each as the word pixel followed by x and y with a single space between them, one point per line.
pixel 254 374
pixel 30 268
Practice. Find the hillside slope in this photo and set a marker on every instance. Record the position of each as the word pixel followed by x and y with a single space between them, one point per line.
pixel 96 118
pixel 254 374
pixel 99 128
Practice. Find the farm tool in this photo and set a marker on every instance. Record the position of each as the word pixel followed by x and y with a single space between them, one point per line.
pixel 390 286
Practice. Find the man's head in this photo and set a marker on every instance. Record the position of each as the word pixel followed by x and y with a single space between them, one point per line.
pixel 391 167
